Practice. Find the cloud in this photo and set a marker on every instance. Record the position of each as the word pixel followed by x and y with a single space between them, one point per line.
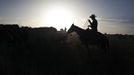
pixel 1 18
pixel 118 20
pixel 116 25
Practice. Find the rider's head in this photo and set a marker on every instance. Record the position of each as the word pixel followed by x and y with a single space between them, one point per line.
pixel 92 16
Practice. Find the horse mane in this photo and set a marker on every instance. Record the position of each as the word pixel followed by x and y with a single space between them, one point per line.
pixel 79 28
pixel 76 29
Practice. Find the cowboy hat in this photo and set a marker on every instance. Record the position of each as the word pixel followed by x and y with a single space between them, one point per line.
pixel 92 16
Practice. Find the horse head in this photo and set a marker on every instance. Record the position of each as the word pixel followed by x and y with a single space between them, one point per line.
pixel 71 29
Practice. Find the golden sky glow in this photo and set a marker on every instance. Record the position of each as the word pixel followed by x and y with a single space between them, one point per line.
pixel 58 16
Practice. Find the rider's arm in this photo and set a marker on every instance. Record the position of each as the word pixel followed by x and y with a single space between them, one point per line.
pixel 90 22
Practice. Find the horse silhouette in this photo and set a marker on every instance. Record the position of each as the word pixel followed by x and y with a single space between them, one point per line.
pixel 89 37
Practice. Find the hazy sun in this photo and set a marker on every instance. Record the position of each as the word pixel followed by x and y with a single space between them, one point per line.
pixel 58 17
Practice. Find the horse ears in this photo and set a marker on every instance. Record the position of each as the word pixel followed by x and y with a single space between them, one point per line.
pixel 73 24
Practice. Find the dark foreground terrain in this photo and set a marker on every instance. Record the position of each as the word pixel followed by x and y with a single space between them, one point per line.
pixel 46 51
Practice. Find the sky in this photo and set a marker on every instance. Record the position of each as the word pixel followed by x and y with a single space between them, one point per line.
pixel 114 16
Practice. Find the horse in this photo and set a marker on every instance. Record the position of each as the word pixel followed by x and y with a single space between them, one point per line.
pixel 89 37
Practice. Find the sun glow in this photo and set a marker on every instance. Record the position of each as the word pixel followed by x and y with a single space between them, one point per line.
pixel 58 17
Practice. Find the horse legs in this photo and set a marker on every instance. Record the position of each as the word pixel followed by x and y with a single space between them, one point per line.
pixel 103 44
pixel 88 50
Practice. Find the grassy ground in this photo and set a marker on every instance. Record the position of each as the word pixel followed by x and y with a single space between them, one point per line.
pixel 39 55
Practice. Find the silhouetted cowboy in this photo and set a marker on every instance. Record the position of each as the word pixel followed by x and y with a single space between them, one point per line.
pixel 94 23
